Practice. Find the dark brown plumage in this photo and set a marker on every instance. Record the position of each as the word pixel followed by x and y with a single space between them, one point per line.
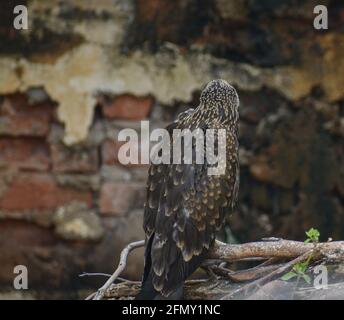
pixel 185 205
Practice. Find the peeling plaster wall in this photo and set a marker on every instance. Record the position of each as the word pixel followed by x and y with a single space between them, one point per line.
pixel 98 64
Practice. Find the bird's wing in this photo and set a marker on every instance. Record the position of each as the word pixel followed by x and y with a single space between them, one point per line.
pixel 181 218
pixel 156 177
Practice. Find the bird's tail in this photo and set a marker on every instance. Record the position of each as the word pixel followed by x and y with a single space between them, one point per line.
pixel 148 292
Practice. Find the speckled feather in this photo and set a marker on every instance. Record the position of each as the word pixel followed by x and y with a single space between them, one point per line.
pixel 185 206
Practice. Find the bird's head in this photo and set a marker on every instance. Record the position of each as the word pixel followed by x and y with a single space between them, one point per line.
pixel 219 95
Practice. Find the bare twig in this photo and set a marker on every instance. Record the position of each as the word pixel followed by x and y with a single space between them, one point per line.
pixel 91 296
pixel 252 273
pixel 95 274
pixel 122 264
pixel 87 274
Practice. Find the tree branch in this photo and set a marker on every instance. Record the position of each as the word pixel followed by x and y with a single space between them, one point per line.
pixel 271 250
pixel 122 264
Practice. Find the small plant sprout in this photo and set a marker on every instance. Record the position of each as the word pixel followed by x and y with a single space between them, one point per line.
pixel 312 235
pixel 299 269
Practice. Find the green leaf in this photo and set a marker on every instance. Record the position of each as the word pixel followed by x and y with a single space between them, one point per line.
pixel 300 267
pixel 289 276
pixel 313 234
pixel 308 241
pixel 303 266
pixel 307 278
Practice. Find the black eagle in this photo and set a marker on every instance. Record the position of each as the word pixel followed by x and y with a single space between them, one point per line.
pixel 185 205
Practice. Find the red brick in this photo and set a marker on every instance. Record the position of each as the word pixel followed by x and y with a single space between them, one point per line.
pixel 39 191
pixel 110 149
pixel 128 107
pixel 24 153
pixel 74 159
pixel 19 118
pixel 119 198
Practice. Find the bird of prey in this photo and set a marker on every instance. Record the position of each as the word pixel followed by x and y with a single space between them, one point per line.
pixel 185 206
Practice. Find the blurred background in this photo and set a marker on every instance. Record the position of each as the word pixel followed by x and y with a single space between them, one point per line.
pixel 85 69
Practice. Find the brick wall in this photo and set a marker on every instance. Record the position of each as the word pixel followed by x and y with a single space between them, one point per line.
pixel 66 210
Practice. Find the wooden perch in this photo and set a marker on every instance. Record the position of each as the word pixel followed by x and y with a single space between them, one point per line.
pixel 275 249
pixel 271 250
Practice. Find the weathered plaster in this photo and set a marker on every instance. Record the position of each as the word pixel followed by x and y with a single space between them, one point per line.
pixel 97 65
